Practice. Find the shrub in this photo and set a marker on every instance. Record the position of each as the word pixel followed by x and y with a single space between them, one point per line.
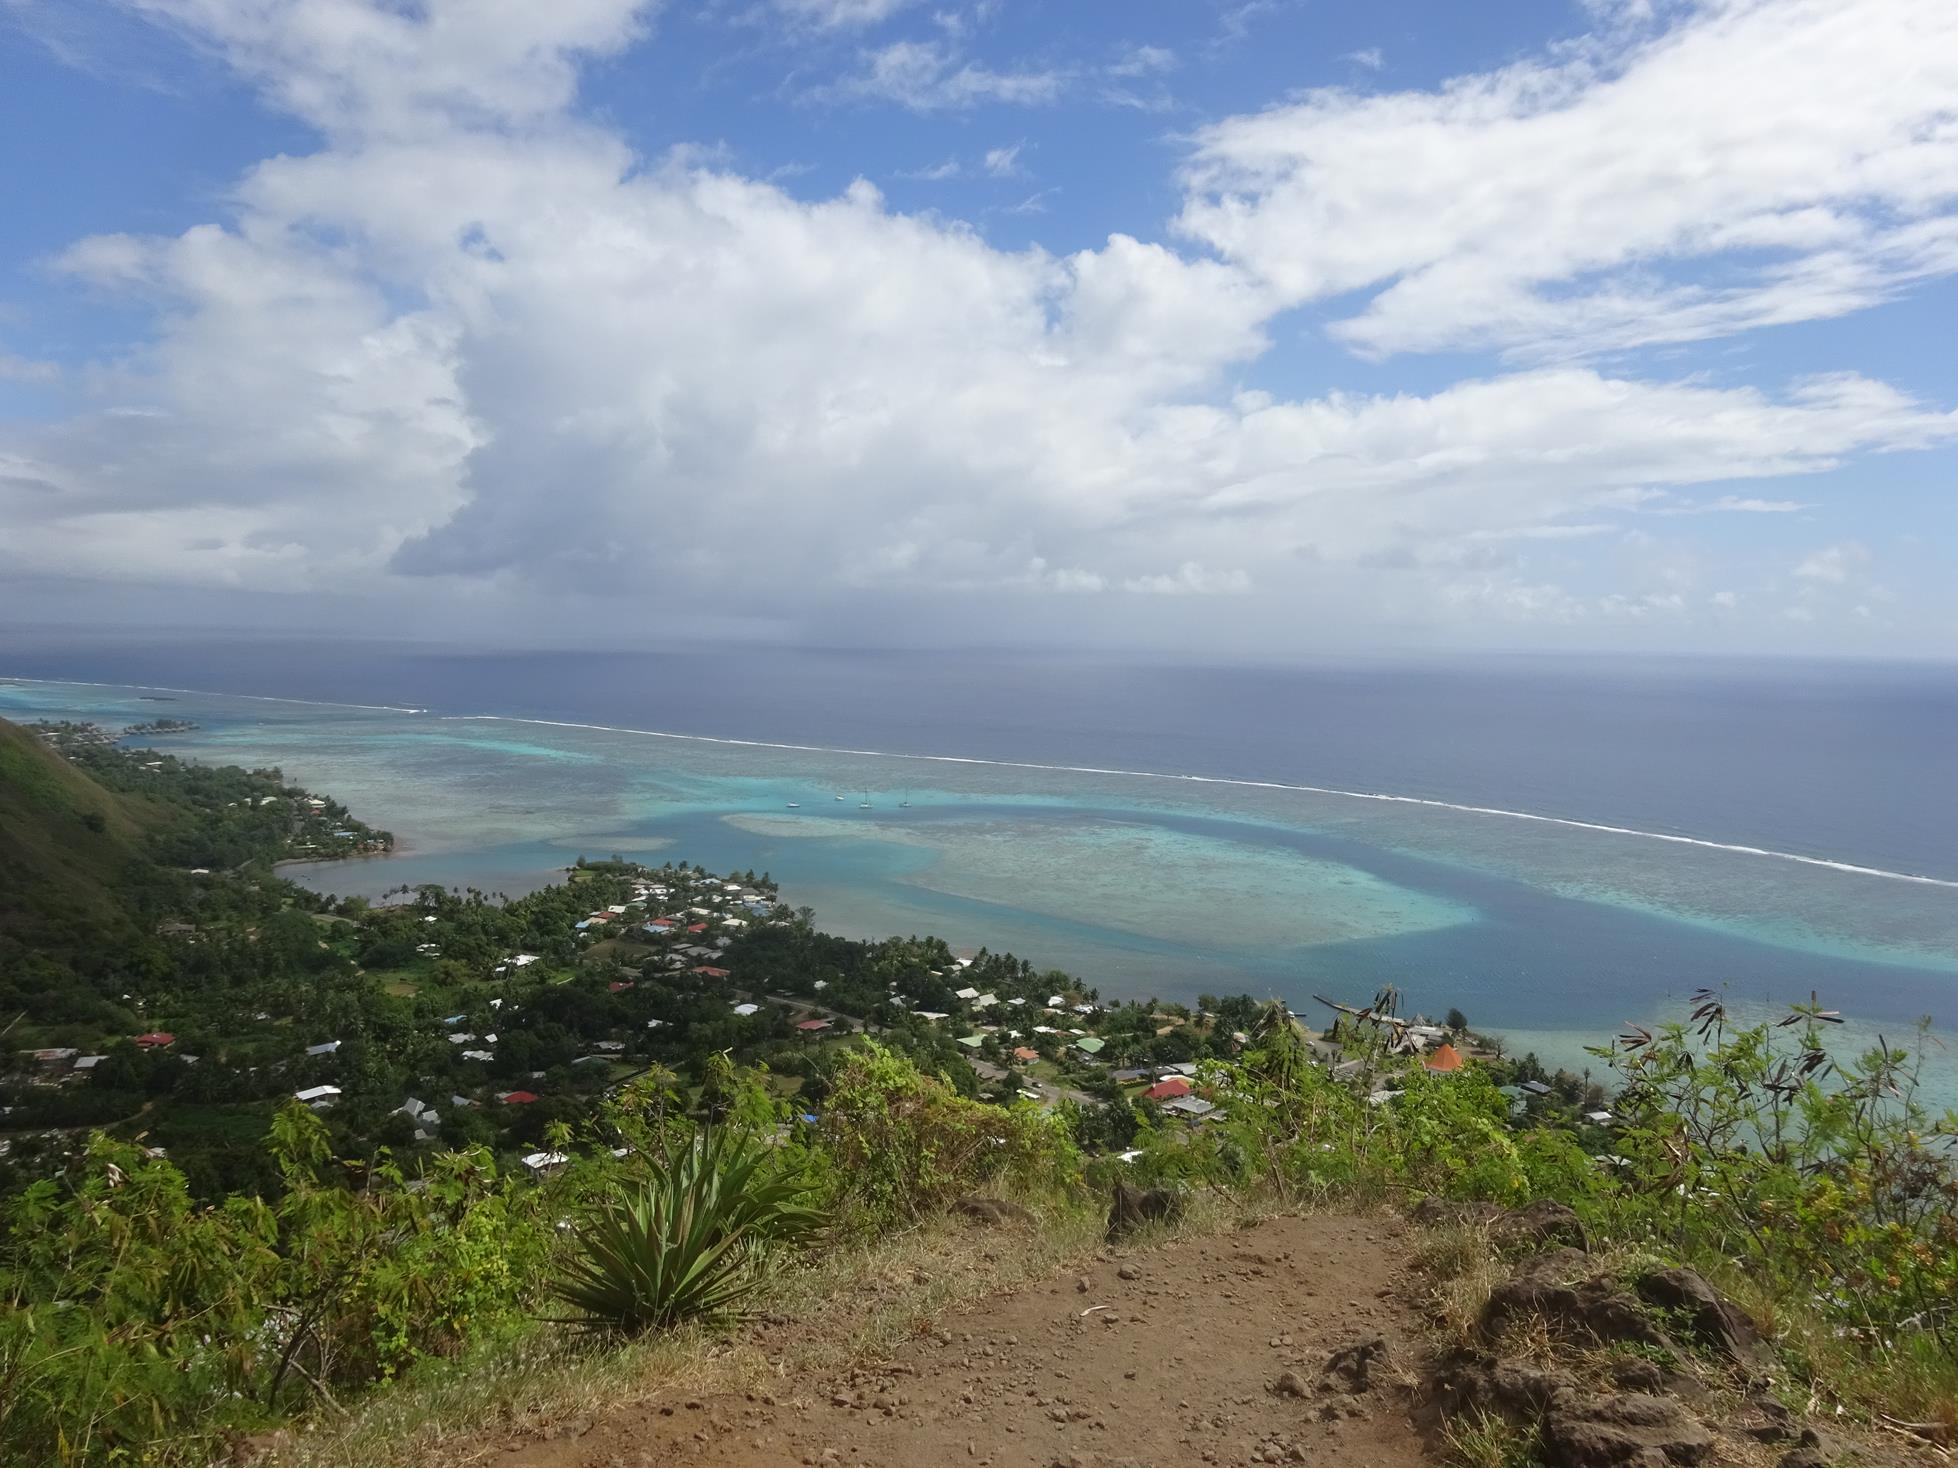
pixel 899 1145
pixel 691 1242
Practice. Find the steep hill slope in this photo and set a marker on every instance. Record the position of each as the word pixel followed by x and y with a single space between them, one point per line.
pixel 69 850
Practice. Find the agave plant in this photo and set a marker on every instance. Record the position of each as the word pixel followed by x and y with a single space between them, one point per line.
pixel 692 1241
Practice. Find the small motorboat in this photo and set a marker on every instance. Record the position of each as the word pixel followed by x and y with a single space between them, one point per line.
pixel 794 806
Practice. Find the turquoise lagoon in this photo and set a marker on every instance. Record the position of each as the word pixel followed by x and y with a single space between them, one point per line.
pixel 1142 884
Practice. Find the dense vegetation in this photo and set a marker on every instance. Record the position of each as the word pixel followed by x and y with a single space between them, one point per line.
pixel 159 1297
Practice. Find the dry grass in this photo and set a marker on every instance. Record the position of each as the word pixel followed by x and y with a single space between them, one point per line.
pixel 848 1305
pixel 1461 1268
pixel 1483 1440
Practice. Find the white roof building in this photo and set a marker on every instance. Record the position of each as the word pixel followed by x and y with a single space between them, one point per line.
pixel 317 1096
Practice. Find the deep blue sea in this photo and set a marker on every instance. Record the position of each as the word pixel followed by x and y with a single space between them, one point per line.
pixel 1021 802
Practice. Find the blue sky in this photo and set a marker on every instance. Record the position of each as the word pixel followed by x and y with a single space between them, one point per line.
pixel 1265 327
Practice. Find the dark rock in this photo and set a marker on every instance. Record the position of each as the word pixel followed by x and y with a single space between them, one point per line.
pixel 1705 1314
pixel 1129 1271
pixel 991 1210
pixel 1442 1212
pixel 1135 1208
pixel 1586 1431
pixel 1637 1375
pixel 1773 1423
pixel 1538 1223
pixel 1557 1286
pixel 1501 1387
pixel 1350 1365
pixel 1541 1222
pixel 1291 1384
pixel 1813 1451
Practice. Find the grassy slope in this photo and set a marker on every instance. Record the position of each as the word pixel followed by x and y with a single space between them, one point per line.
pixel 60 876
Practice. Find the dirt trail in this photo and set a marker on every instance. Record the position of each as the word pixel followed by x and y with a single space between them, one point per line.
pixel 1206 1350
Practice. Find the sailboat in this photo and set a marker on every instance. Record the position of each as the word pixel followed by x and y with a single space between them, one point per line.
pixel 794 806
pixel 865 804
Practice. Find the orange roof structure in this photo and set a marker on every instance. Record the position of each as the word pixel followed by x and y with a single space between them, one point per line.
pixel 1445 1058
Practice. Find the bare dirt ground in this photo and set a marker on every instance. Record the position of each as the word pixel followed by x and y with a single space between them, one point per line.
pixel 1224 1349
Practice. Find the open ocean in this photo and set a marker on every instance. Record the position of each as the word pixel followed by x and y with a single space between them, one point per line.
pixel 1569 846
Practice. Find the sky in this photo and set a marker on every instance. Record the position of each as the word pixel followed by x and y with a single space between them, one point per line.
pixel 1259 328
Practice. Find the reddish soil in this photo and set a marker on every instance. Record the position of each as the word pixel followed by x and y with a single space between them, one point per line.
pixel 1185 1362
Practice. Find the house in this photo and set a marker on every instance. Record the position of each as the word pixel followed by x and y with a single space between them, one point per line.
pixel 1446 1059
pixel 1091 1045
pixel 54 1056
pixel 88 1062
pixel 543 1162
pixel 478 1055
pixel 1183 1068
pixel 318 1097
pixel 1193 1107
pixel 461 1103
pixel 619 986
pixel 1598 1118
pixel 1534 1088
pixel 985 1001
pixel 967 993
pixel 1056 1001
pixel 155 1040
pixel 517 1098
pixel 812 1026
pixel 696 927
pixel 708 971
pixel 325 1047
pixel 1168 1090
pixel 419 1112
pixel 1123 1077
pixel 524 960
pixel 971 1042
pixel 744 1010
pixel 1023 1052
pixel 933 1014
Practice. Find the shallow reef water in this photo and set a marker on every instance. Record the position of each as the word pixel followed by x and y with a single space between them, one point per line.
pixel 1142 883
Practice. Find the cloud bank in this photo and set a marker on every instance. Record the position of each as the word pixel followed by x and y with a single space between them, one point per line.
pixel 474 348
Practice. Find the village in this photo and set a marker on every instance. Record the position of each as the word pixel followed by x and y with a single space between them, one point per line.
pixel 440 1019
pixel 467 1041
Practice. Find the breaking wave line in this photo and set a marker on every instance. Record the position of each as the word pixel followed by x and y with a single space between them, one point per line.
pixel 1380 797
pixel 323 703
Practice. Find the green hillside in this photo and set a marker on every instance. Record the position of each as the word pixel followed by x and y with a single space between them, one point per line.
pixel 69 852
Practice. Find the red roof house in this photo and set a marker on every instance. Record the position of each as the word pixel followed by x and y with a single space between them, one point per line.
pixel 156 1039
pixel 1168 1090
pixel 1445 1058
pixel 708 972
pixel 517 1098
pixel 810 1026
pixel 1024 1052
pixel 619 986
pixel 696 927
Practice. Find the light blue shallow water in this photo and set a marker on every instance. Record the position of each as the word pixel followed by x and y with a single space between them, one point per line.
pixel 1559 930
